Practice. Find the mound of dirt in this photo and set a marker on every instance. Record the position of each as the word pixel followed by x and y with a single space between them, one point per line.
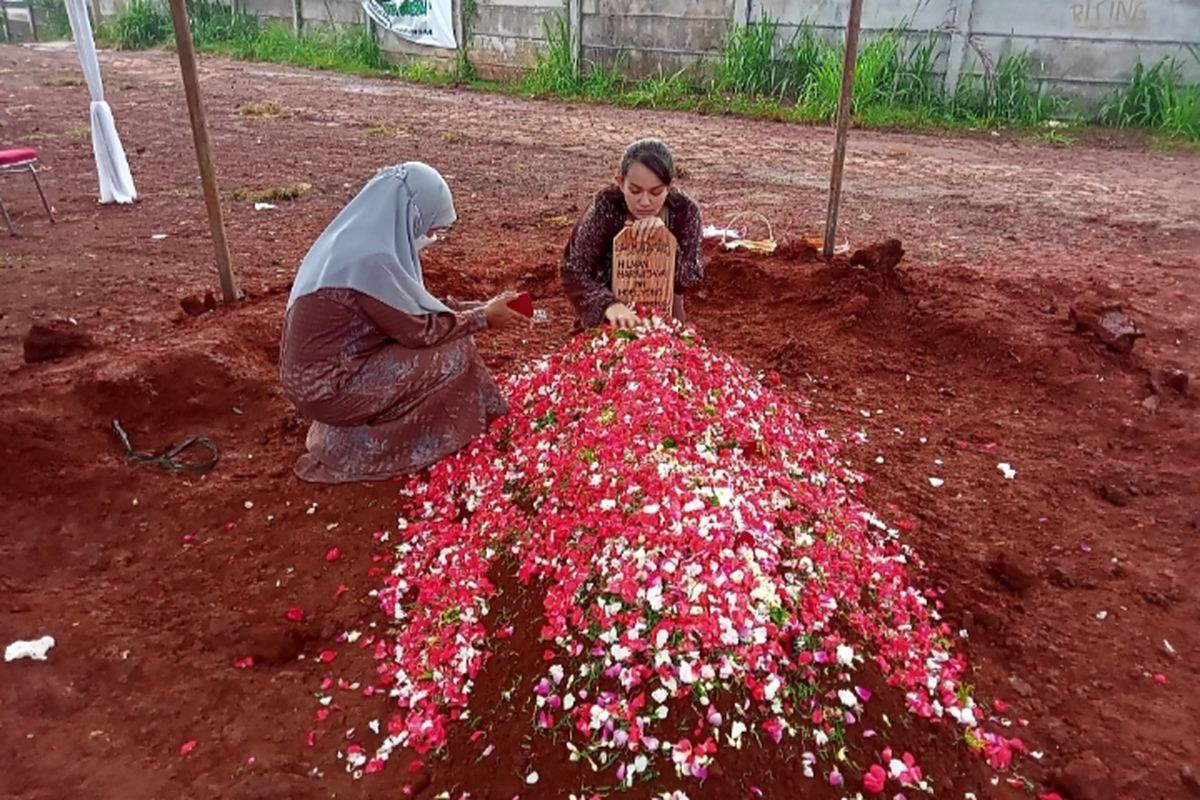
pixel 798 251
pixel 195 306
pixel 882 257
pixel 754 276
pixel 32 457
pixel 453 272
pixel 791 357
pixel 179 388
pixel 50 341
pixel 1108 322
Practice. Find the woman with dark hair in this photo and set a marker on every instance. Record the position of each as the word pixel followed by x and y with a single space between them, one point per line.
pixel 642 196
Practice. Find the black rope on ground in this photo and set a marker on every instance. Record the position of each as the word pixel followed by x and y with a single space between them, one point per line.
pixel 166 459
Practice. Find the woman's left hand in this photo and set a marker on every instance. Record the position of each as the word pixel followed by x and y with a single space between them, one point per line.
pixel 642 228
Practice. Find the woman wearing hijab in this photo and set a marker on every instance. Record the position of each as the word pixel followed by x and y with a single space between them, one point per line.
pixel 642 196
pixel 388 372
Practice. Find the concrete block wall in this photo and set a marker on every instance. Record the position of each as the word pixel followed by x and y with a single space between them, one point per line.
pixel 921 19
pixel 653 36
pixel 1085 48
pixel 22 22
pixel 505 36
pixel 1082 48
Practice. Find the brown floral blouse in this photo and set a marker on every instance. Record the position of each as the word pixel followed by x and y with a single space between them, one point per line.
pixel 587 263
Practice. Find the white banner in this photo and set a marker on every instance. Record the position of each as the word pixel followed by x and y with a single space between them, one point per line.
pixel 428 22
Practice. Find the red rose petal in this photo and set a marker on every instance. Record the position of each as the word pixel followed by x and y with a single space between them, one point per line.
pixel 875 779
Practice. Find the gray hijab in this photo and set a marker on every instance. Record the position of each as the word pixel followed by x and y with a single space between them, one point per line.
pixel 372 245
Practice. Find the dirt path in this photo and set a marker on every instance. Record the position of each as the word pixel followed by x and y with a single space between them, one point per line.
pixel 1071 579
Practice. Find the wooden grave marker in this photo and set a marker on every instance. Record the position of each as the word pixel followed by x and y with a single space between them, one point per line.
pixel 644 274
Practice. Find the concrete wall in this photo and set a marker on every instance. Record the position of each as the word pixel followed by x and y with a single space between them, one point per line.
pixel 1079 47
pixel 506 35
pixel 1086 47
pixel 503 38
pixel 920 18
pixel 653 36
pixel 21 21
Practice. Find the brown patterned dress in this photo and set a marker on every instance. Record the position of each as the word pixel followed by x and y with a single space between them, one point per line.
pixel 587 263
pixel 389 392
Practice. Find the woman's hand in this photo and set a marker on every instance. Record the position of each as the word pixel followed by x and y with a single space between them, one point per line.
pixel 642 228
pixel 498 313
pixel 620 316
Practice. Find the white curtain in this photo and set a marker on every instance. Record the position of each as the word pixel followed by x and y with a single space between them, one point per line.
pixel 116 184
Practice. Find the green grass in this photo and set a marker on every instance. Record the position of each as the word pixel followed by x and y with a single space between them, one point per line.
pixel 1056 138
pixel 57 24
pixel 662 91
pixel 554 71
pixel 216 25
pixel 752 63
pixel 748 65
pixel 894 81
pixel 350 50
pixel 217 28
pixel 142 24
pixel 761 72
pixel 1157 98
pixel 422 72
pixel 1010 96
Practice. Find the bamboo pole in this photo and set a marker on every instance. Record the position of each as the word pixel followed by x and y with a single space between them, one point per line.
pixel 208 178
pixel 843 126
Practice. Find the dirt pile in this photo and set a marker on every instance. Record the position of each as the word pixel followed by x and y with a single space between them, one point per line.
pixel 50 341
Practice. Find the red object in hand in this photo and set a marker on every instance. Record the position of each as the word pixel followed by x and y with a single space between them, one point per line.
pixel 522 304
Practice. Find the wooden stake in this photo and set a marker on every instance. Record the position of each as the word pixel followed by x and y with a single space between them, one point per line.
pixel 208 178
pixel 843 126
pixel 97 15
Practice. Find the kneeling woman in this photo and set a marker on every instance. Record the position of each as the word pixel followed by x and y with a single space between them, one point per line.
pixel 388 372
pixel 642 196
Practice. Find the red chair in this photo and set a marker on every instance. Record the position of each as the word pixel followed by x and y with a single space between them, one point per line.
pixel 22 159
